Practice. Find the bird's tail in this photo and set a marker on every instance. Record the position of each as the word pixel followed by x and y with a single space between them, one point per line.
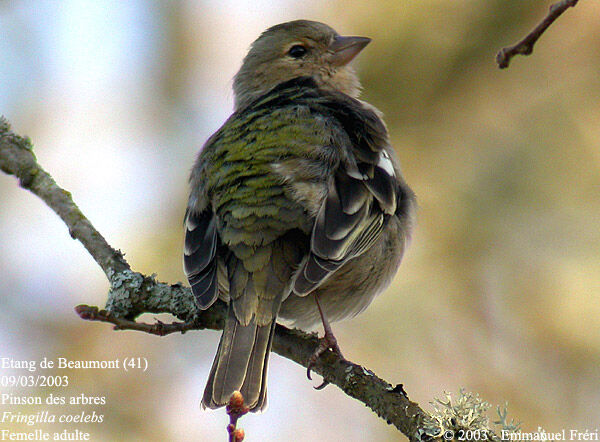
pixel 240 364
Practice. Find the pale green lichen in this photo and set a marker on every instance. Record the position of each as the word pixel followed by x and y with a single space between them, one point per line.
pixel 132 293
pixel 124 284
pixel 512 426
pixel 452 418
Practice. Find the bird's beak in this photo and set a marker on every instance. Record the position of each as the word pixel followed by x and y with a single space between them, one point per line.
pixel 344 49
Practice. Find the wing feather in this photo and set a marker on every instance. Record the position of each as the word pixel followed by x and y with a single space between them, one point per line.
pixel 199 259
pixel 350 221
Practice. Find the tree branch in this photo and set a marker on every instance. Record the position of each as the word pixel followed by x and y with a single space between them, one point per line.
pixel 132 294
pixel 389 402
pixel 525 46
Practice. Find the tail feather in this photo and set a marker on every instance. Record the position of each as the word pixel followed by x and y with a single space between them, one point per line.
pixel 240 364
pixel 254 388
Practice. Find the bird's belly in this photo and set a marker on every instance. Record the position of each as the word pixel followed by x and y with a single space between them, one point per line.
pixel 352 288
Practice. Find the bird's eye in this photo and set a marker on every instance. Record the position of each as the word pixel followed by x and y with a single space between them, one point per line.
pixel 297 51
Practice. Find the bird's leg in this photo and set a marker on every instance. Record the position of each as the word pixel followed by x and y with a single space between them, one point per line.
pixel 327 342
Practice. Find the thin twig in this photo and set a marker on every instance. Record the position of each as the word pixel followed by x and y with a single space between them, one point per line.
pixel 159 328
pixel 525 46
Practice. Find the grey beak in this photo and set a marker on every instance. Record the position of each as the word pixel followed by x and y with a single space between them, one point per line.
pixel 344 49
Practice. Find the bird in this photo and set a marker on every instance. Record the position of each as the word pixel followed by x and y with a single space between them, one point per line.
pixel 298 212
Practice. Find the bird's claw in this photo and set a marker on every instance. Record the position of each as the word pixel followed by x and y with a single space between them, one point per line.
pixel 327 342
pixel 322 386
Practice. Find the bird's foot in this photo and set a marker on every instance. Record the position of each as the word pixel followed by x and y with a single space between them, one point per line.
pixel 327 342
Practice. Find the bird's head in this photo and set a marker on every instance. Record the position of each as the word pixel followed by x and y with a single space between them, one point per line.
pixel 296 49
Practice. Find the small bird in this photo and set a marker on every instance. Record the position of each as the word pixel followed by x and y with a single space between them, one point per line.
pixel 298 212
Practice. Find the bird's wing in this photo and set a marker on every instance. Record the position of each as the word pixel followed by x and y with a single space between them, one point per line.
pixel 360 198
pixel 199 259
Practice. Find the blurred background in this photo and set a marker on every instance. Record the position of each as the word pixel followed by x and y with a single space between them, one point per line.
pixel 498 293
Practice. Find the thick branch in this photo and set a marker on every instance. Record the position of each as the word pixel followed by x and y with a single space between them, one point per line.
pixel 389 402
pixel 525 46
pixel 132 294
